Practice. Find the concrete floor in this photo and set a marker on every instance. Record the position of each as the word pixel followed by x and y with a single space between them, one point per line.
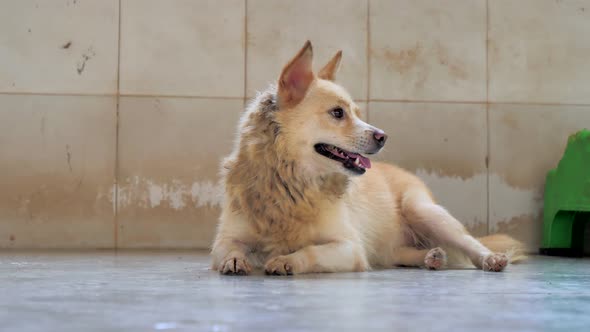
pixel 146 291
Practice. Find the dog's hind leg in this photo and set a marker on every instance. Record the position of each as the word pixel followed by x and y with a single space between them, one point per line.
pixel 434 223
pixel 432 259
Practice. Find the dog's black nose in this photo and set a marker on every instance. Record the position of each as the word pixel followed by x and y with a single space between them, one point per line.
pixel 380 137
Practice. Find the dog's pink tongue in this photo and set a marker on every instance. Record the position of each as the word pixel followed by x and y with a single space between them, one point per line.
pixel 362 160
pixel 365 161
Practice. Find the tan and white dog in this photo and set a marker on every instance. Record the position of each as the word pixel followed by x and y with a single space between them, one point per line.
pixel 301 196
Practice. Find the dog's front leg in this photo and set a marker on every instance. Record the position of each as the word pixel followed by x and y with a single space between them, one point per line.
pixel 229 257
pixel 231 246
pixel 338 256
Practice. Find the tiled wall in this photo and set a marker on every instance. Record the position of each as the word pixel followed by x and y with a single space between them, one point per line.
pixel 114 113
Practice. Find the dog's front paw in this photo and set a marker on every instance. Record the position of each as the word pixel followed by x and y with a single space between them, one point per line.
pixel 435 259
pixel 494 262
pixel 235 266
pixel 280 266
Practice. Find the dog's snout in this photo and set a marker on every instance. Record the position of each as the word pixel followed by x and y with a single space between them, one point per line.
pixel 380 137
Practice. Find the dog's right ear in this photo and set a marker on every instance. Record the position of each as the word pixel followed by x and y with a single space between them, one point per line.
pixel 296 77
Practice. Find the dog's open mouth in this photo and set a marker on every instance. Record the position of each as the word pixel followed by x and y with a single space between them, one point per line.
pixel 350 160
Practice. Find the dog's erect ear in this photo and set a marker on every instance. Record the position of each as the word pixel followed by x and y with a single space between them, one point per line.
pixel 296 77
pixel 331 68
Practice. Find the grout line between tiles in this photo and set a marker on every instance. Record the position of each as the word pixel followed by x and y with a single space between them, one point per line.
pixel 368 55
pixel 66 94
pixel 245 48
pixel 538 103
pixel 69 94
pixel 179 96
pixel 488 116
pixel 488 160
pixel 487 51
pixel 355 100
pixel 426 101
pixel 116 186
pixel 250 97
pixel 476 102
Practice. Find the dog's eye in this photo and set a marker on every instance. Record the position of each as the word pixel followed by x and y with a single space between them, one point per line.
pixel 338 113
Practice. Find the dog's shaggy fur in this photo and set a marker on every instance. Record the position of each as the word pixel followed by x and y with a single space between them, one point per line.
pixel 292 206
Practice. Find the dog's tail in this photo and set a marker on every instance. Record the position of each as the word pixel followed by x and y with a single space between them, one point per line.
pixel 502 243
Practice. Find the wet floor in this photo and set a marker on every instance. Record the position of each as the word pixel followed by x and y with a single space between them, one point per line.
pixel 175 291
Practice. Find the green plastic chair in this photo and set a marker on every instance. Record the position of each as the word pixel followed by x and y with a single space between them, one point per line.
pixel 567 200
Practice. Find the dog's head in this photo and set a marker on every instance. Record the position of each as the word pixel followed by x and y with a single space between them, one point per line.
pixel 320 123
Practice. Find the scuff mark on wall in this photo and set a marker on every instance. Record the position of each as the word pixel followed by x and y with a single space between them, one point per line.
pixel 176 194
pixel 206 192
pixel 508 202
pixel 416 62
pixel 69 157
pixel 156 194
pixel 526 228
pixel 86 56
pixel 517 211
pixel 512 209
pixel 403 60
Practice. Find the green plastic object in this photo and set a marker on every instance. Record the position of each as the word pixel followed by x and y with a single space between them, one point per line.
pixel 567 200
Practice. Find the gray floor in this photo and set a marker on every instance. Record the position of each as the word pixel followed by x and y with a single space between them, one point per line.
pixel 145 291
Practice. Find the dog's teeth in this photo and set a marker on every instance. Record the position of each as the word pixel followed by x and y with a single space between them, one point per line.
pixel 356 161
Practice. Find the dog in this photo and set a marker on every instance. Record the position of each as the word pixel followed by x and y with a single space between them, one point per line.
pixel 301 195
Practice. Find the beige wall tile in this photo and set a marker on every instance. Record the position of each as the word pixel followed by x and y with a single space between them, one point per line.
pixel 58 46
pixel 57 171
pixel 445 145
pixel 170 150
pixel 364 108
pixel 278 29
pixel 179 47
pixel 525 143
pixel 428 50
pixel 539 51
